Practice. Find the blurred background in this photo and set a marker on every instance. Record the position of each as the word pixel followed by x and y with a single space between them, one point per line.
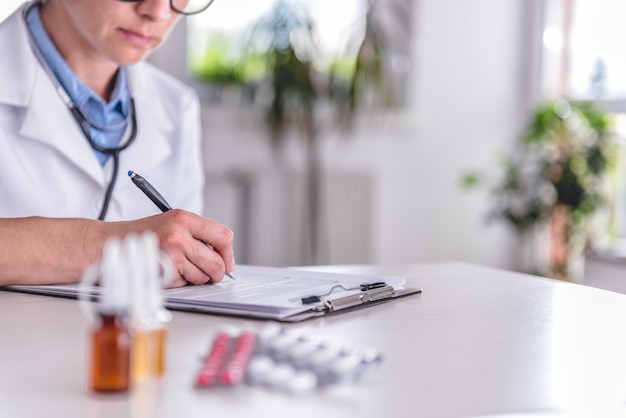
pixel 387 131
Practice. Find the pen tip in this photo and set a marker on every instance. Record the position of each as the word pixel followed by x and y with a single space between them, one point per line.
pixel 130 173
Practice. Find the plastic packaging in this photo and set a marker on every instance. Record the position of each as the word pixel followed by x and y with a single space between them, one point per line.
pixel 227 361
pixel 215 360
pixel 284 360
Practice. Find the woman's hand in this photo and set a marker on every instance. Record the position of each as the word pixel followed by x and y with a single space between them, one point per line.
pixel 200 248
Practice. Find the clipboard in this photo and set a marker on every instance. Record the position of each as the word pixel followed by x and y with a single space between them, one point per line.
pixel 342 304
pixel 266 293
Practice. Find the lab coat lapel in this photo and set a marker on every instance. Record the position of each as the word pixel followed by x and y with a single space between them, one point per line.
pixel 46 118
pixel 49 121
pixel 56 126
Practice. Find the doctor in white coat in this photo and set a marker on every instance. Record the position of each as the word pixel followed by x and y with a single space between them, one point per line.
pixel 54 212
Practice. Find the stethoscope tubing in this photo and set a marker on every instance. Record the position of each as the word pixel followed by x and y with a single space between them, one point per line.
pixel 83 122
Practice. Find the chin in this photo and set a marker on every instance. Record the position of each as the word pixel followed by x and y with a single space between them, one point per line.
pixel 131 58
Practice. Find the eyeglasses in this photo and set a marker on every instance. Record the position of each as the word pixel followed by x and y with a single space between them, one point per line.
pixel 185 7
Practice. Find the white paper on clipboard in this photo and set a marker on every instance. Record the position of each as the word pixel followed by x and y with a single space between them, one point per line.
pixel 266 293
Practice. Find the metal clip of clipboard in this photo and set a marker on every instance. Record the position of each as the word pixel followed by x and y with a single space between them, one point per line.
pixel 361 298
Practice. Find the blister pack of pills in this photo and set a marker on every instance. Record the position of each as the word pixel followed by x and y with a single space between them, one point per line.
pixel 284 360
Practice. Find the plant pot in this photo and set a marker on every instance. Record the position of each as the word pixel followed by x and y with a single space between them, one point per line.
pixel 553 248
pixel 567 255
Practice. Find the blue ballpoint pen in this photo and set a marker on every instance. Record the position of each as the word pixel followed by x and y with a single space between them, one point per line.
pixel 156 197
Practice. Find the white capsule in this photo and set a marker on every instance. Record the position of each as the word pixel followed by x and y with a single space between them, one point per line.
pixel 300 352
pixel 372 356
pixel 320 359
pixel 280 375
pixel 269 331
pixel 265 336
pixel 343 366
pixel 259 369
pixel 281 343
pixel 302 383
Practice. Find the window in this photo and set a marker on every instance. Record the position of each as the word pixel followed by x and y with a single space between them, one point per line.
pixel 584 55
pixel 234 43
pixel 583 58
pixel 223 44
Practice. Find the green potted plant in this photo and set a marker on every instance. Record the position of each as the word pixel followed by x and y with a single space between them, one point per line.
pixel 561 177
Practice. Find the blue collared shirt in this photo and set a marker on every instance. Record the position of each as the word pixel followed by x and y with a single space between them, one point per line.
pixel 109 115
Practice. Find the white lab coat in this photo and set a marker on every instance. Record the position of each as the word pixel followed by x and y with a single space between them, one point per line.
pixel 47 167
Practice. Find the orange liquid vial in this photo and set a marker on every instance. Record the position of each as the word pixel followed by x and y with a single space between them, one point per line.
pixel 149 353
pixel 110 355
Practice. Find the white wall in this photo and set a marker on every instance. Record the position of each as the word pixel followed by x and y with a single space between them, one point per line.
pixel 468 105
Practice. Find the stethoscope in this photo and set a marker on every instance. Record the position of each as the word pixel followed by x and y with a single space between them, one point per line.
pixel 84 123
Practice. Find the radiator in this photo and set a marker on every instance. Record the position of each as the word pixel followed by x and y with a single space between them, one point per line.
pixel 347 219
pixel 268 211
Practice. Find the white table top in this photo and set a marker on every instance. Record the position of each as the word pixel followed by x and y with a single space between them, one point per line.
pixel 478 341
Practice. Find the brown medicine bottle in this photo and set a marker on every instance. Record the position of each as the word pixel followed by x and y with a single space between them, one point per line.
pixel 110 354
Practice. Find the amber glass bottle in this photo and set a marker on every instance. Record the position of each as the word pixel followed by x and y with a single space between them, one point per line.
pixel 110 355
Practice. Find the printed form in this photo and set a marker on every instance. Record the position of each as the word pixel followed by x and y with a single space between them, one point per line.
pixel 261 292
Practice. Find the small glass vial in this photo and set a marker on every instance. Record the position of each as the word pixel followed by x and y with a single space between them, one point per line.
pixel 148 357
pixel 110 354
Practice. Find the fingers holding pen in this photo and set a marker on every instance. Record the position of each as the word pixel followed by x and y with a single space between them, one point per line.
pixel 208 265
pixel 201 249
pixel 217 238
pixel 215 260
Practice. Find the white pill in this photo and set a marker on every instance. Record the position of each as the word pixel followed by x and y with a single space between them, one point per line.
pixel 302 383
pixel 283 341
pixel 371 356
pixel 259 369
pixel 300 351
pixel 322 356
pixel 269 331
pixel 345 365
pixel 280 375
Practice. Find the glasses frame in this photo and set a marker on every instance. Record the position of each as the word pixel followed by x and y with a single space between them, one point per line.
pixel 176 9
